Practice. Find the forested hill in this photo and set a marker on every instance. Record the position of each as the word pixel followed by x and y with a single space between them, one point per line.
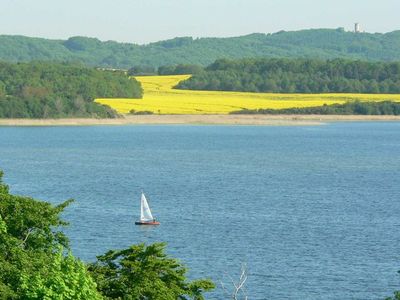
pixel 315 43
pixel 297 76
pixel 55 90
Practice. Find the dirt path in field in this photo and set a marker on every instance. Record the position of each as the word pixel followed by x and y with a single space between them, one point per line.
pixel 272 120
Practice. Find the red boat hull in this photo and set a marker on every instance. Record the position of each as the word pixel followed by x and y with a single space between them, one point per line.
pixel 147 223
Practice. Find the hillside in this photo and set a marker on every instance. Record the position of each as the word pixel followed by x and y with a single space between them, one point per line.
pixel 315 43
pixel 283 75
pixel 53 90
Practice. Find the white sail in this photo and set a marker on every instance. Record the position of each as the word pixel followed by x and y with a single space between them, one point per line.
pixel 145 212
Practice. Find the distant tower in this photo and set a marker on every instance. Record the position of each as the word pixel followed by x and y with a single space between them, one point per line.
pixel 357 28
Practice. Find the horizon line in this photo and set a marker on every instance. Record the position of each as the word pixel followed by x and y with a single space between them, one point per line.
pixel 194 37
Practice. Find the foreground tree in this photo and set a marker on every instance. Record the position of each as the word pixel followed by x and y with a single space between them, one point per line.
pixel 145 272
pixel 65 278
pixel 32 261
pixel 36 262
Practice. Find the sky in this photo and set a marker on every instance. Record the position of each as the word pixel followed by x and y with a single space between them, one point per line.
pixel 144 21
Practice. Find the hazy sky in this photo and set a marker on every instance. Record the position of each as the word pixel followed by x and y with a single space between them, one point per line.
pixel 143 21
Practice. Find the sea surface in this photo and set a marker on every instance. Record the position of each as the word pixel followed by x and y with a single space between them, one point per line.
pixel 314 211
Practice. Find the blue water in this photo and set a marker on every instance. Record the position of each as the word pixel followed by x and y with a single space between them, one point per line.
pixel 314 212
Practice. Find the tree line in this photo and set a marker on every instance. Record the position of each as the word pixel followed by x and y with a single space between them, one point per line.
pixel 180 69
pixel 57 90
pixel 316 43
pixel 349 108
pixel 297 76
pixel 36 262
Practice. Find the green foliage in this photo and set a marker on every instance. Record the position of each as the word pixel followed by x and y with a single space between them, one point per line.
pixel 315 43
pixel 79 43
pixel 181 69
pixel 50 90
pixel 176 42
pixel 3 227
pixel 140 112
pixel 65 278
pixel 297 76
pixel 349 108
pixel 145 272
pixel 34 223
pixel 34 266
pixel 142 71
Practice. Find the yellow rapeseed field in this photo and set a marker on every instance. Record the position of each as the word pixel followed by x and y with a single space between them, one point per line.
pixel 160 98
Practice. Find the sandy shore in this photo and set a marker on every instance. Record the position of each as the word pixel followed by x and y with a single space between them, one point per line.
pixel 272 120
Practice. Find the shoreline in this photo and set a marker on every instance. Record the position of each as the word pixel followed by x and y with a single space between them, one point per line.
pixel 264 120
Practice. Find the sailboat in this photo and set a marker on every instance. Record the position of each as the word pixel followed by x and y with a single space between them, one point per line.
pixel 146 218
